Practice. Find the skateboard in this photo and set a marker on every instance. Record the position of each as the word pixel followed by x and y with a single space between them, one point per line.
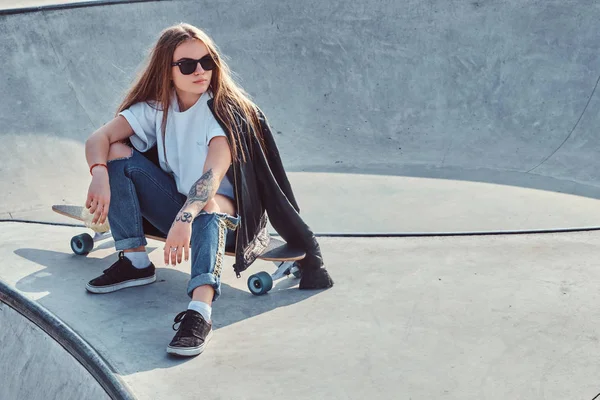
pixel 279 252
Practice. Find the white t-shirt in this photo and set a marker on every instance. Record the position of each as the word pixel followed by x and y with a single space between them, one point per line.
pixel 187 137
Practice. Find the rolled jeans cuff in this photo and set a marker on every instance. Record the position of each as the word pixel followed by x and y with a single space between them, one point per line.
pixel 205 279
pixel 130 243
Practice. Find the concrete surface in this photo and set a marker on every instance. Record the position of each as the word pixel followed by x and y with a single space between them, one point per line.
pixel 35 367
pixel 494 102
pixel 500 317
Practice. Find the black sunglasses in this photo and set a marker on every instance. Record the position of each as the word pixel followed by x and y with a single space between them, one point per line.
pixel 187 66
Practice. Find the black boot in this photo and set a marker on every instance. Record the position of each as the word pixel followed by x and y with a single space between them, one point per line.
pixel 315 279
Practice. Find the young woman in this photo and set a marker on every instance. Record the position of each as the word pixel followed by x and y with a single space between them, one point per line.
pixel 191 155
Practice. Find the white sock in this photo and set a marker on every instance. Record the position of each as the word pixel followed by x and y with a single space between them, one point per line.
pixel 204 309
pixel 139 259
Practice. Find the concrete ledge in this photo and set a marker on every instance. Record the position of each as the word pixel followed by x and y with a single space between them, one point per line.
pixel 28 6
pixel 68 339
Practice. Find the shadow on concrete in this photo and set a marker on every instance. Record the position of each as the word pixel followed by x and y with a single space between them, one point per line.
pixel 132 327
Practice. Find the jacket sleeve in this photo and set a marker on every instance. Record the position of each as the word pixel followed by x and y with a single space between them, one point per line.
pixel 279 202
pixel 275 163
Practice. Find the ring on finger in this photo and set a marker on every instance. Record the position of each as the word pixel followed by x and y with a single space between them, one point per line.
pixel 173 248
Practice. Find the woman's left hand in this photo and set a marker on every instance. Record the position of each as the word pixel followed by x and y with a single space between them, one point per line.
pixel 178 240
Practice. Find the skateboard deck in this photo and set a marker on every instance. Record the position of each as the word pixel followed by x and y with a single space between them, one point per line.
pixel 277 250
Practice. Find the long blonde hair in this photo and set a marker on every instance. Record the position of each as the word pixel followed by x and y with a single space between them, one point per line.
pixel 231 102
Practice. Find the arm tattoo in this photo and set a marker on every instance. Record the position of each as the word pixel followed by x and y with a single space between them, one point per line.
pixel 185 217
pixel 200 193
pixel 201 190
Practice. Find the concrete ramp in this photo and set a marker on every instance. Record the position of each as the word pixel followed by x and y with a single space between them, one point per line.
pixel 459 318
pixel 480 115
pixel 42 358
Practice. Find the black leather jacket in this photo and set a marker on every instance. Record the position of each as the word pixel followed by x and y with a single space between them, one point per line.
pixel 262 190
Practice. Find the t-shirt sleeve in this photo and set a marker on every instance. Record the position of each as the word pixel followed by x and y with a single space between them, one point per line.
pixel 214 130
pixel 142 118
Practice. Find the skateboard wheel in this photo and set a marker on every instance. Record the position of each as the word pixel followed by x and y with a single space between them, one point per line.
pixel 260 283
pixel 82 244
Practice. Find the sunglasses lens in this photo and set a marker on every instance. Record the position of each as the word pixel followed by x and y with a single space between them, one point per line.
pixel 207 63
pixel 187 67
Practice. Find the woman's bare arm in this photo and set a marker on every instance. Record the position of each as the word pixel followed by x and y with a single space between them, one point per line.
pixel 98 144
pixel 202 191
pixel 96 152
pixel 216 166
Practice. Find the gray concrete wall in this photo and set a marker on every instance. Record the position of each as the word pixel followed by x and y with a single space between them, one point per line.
pixel 484 91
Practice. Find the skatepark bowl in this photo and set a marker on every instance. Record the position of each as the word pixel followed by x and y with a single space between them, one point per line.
pixel 445 153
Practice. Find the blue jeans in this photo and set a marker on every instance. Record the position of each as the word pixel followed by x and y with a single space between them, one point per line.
pixel 142 190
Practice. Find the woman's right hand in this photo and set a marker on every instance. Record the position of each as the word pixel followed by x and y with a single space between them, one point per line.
pixel 98 199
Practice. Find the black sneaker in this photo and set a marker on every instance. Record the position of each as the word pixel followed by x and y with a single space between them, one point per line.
pixel 192 335
pixel 122 274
